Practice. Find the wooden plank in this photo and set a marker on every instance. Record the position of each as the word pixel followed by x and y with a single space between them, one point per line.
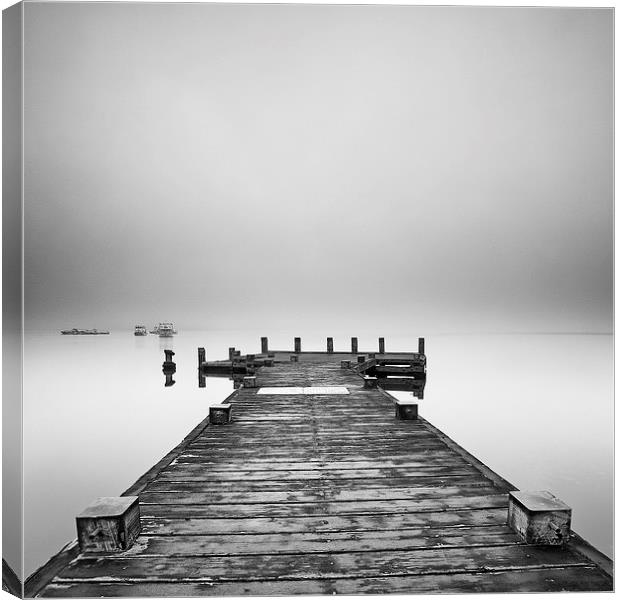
pixel 168 524
pixel 308 496
pixel 554 579
pixel 325 565
pixel 224 545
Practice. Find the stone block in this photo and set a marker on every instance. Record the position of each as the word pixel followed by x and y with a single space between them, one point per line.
pixel 345 364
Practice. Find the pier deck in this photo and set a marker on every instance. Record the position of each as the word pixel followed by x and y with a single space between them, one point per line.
pixel 323 494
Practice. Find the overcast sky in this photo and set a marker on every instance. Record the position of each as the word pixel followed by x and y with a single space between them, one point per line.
pixel 425 168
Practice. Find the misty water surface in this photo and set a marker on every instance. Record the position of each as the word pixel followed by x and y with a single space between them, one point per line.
pixel 537 409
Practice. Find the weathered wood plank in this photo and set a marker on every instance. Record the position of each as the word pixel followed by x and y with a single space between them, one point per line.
pixel 324 565
pixel 167 524
pixel 555 579
pixel 352 507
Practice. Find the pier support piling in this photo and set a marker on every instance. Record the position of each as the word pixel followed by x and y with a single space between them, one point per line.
pixel 297 345
pixel 353 345
pixel 381 345
pixel 231 353
pixel 202 356
pixel 330 345
pixel 420 345
pixel 264 345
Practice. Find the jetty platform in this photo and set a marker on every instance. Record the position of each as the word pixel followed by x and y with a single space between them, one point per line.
pixel 315 486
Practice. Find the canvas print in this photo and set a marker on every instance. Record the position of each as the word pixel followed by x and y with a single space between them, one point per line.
pixel 306 299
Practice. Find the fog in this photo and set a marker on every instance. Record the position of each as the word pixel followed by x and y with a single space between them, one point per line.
pixel 425 168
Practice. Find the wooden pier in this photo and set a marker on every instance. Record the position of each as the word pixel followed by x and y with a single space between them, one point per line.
pixel 321 490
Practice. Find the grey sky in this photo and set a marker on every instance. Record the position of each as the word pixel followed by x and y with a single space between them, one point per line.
pixel 440 169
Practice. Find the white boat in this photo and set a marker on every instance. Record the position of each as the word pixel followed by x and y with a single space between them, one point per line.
pixel 140 330
pixel 164 330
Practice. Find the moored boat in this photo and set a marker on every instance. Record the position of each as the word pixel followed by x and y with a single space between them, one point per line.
pixel 76 331
pixel 140 330
pixel 164 330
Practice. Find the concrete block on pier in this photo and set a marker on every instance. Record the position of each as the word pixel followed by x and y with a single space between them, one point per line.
pixel 219 414
pixel 345 364
pixel 370 382
pixel 361 359
pixel 268 362
pixel 294 358
pixel 109 524
pixel 539 518
pixel 406 410
pixel 249 382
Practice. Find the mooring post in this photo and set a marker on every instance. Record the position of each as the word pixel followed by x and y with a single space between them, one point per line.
pixel 219 414
pixel 297 345
pixel 202 356
pixel 330 345
pixel 264 345
pixel 539 518
pixel 420 345
pixel 381 345
pixel 353 345
pixel 109 524
pixel 406 410
pixel 231 353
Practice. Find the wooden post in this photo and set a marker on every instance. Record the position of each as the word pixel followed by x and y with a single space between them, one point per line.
pixel 381 345
pixel 109 524
pixel 370 382
pixel 202 356
pixel 297 345
pixel 353 345
pixel 406 410
pixel 231 353
pixel 264 345
pixel 219 414
pixel 420 345
pixel 539 518
pixel 249 382
pixel 330 345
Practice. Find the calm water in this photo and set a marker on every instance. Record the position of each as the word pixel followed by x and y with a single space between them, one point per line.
pixel 537 409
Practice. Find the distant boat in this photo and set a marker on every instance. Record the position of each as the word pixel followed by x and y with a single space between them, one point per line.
pixel 140 330
pixel 164 330
pixel 75 331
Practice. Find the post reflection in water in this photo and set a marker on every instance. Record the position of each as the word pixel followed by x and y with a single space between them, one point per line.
pixel 169 368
